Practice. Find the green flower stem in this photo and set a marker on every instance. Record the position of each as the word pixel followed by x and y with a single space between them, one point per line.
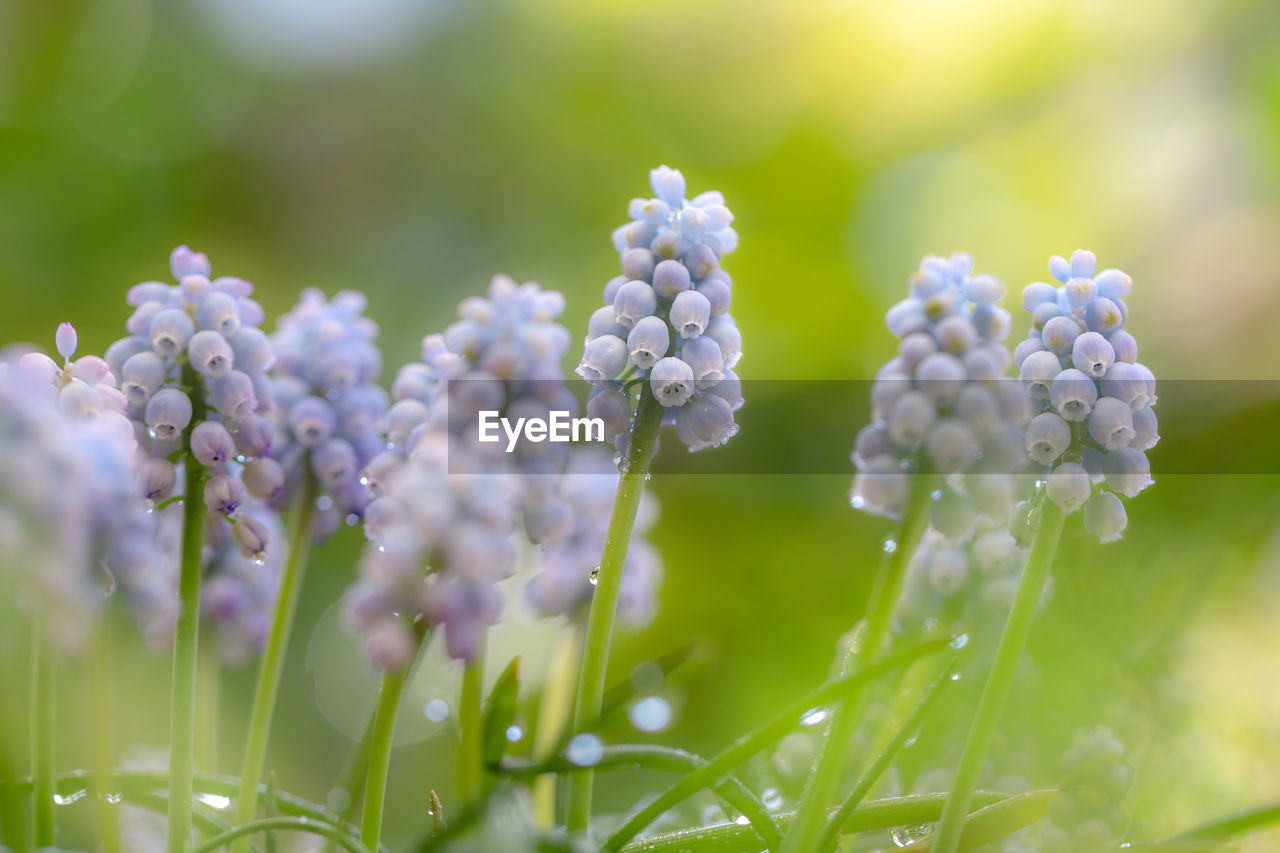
pixel 831 836
pixel 208 692
pixel 553 714
pixel 375 788
pixel 186 637
pixel 823 787
pixel 273 655
pixel 995 694
pixel 13 823
pixel 295 824
pixel 869 817
pixel 43 709
pixel 604 602
pixel 469 764
pixel 98 666
pixel 753 742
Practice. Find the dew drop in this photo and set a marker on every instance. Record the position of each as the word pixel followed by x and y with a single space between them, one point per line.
pixel 585 750
pixel 955 676
pixel 890 546
pixel 594 577
pixel 742 820
pixel 364 479
pixel 338 800
pixel 813 717
pixel 437 710
pixel 260 558
pixel 772 799
pixel 959 641
pixel 149 505
pixel 67 800
pixel 712 815
pixel 935 494
pixel 857 501
pixel 514 733
pixel 352 519
pixel 324 503
pixel 650 714
pixel 215 801
pixel 904 836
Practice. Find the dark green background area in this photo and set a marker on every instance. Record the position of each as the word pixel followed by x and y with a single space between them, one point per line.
pixel 849 139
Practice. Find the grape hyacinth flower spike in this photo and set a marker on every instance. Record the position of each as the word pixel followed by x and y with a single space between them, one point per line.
pixel 665 329
pixel 1094 423
pixel 943 447
pixel 194 355
pixel 307 452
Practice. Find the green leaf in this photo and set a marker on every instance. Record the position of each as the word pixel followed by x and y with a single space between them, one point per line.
pixel 500 713
pixel 1231 826
pixel 997 820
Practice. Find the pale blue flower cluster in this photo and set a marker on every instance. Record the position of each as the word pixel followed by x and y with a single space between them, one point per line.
pixel 329 408
pixel 1094 420
pixel 563 584
pixel 504 354
pixel 965 583
pixel 238 592
pixel 666 318
pixel 1087 815
pixel 208 330
pixel 942 401
pixel 71 525
pixel 440 541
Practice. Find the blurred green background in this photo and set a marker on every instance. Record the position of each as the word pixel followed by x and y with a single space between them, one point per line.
pixel 413 149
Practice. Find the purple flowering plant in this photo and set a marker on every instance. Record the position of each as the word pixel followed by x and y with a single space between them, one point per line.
pixel 189 471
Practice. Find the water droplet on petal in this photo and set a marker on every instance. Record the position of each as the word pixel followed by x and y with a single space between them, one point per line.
pixel 149 505
pixel 260 558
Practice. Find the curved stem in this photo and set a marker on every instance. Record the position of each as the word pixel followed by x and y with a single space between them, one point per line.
pixel 273 654
pixel 99 723
pixel 831 835
pixel 821 792
pixel 870 816
pixel 995 694
pixel 730 788
pixel 749 744
pixel 186 637
pixel 375 788
pixel 469 766
pixel 294 824
pixel 43 709
pixel 604 602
